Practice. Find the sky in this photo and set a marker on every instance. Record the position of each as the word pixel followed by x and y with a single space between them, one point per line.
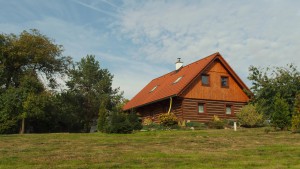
pixel 138 41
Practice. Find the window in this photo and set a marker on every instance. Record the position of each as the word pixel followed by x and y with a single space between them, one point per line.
pixel 177 80
pixel 228 109
pixel 201 108
pixel 205 80
pixel 153 89
pixel 224 81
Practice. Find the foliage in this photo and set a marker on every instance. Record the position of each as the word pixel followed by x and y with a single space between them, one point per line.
pixel 249 116
pixel 281 116
pixel 117 123
pixel 29 52
pixel 196 125
pixel 135 121
pixel 217 123
pixel 102 116
pixel 92 84
pixel 147 121
pixel 168 119
pixel 296 115
pixel 267 83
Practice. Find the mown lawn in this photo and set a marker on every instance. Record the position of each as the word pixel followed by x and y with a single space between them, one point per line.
pixel 246 148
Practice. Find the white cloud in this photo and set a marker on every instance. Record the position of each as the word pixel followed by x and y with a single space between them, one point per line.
pixel 140 40
pixel 259 33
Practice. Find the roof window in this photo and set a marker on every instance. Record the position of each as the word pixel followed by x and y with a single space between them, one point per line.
pixel 177 80
pixel 153 89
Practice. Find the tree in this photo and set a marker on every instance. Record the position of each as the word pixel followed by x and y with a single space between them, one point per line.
pixel 102 116
pixel 296 115
pixel 24 60
pixel 92 84
pixel 280 116
pixel 29 52
pixel 266 83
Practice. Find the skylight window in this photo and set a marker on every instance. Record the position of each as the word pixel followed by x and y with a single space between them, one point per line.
pixel 153 88
pixel 177 80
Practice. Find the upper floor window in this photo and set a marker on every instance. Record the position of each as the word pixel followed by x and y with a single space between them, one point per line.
pixel 205 80
pixel 224 81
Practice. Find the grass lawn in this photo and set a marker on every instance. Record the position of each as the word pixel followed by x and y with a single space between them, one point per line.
pixel 246 148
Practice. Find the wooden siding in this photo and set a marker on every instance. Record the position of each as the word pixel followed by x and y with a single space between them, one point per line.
pixel 155 109
pixel 214 91
pixel 190 109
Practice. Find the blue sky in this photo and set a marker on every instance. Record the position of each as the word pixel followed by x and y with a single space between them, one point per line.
pixel 140 40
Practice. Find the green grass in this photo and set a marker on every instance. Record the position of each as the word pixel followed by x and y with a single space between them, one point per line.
pixel 246 148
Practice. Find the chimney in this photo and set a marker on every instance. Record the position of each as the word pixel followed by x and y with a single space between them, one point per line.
pixel 178 64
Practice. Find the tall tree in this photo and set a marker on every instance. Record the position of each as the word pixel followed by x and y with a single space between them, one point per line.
pixel 92 84
pixel 29 52
pixel 267 83
pixel 24 59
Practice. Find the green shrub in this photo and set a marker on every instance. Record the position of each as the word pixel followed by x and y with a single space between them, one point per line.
pixel 249 117
pixel 296 116
pixel 168 119
pixel 135 121
pixel 147 121
pixel 281 116
pixel 102 115
pixel 117 122
pixel 216 123
pixel 196 125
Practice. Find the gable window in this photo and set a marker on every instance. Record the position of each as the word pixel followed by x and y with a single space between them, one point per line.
pixel 205 80
pixel 201 108
pixel 224 81
pixel 177 80
pixel 153 89
pixel 228 109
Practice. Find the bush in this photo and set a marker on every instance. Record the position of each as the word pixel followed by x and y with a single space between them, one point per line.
pixel 168 119
pixel 117 122
pixel 296 116
pixel 135 121
pixel 102 115
pixel 216 123
pixel 281 115
pixel 196 125
pixel 249 117
pixel 147 121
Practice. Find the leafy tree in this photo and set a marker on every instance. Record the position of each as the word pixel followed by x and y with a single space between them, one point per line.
pixel 280 117
pixel 24 60
pixel 266 83
pixel 29 52
pixel 92 84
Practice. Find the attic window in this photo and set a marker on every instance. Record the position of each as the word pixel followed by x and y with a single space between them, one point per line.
pixel 153 89
pixel 177 80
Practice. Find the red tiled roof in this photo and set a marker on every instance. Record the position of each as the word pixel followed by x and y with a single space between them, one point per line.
pixel 166 86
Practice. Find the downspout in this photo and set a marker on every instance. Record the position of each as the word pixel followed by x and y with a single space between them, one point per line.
pixel 171 100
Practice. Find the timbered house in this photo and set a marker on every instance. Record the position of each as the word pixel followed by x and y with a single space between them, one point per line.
pixel 194 92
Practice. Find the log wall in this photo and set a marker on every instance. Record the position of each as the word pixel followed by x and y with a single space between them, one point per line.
pixel 212 107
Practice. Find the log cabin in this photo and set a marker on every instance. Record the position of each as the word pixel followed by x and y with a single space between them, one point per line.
pixel 195 92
